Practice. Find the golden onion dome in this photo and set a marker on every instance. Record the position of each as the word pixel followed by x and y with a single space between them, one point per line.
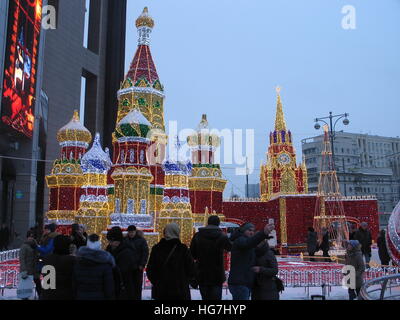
pixel 74 131
pixel 204 136
pixel 144 19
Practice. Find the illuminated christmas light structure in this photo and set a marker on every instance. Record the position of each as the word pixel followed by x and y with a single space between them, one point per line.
pixel 393 235
pixel 206 183
pixel 329 210
pixel 142 89
pixel 94 208
pixel 176 206
pixel 143 189
pixel 281 174
pixel 131 172
pixel 66 178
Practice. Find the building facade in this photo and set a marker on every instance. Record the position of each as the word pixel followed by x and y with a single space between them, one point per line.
pixel 365 164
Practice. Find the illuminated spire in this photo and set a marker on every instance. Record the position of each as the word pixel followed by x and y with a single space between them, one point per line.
pixel 280 123
pixel 144 24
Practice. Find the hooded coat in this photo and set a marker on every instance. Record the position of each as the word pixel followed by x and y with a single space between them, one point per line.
pixel 243 257
pixel 170 279
pixel 265 287
pixel 354 258
pixel 28 257
pixel 207 247
pixel 93 275
pixel 126 261
pixel 64 266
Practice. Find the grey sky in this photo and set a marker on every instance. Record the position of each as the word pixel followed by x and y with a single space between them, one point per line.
pixel 224 58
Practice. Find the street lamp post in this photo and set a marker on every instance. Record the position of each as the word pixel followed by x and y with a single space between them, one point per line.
pixel 332 126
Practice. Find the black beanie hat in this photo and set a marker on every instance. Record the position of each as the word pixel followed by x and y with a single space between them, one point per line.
pixel 132 228
pixel 61 245
pixel 115 234
pixel 214 220
pixel 52 227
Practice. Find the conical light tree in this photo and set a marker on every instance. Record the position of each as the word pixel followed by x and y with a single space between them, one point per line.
pixel 329 212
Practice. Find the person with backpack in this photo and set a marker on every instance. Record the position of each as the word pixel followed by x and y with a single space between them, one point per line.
pixel 170 267
pixel 126 263
pixel 207 247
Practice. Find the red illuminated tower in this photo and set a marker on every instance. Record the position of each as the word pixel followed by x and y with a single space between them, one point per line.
pixel 281 174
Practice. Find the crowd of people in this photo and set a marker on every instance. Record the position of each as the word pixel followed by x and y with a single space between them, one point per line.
pixel 86 272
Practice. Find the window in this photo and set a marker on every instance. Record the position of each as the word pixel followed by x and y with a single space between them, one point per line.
pixel 130 206
pixel 143 206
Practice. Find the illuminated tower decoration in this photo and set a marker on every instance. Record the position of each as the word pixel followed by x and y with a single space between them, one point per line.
pixel 329 211
pixel 131 172
pixel 142 89
pixel 66 177
pixel 281 174
pixel 94 205
pixel 206 184
pixel 176 206
pixel 393 236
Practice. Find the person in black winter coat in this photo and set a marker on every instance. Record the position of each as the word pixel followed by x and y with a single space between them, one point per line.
pixel 77 237
pixel 312 242
pixel 142 251
pixel 241 277
pixel 93 275
pixel 382 248
pixel 170 267
pixel 266 268
pixel 207 248
pixel 363 235
pixel 126 261
pixel 324 244
pixel 63 264
pixel 4 237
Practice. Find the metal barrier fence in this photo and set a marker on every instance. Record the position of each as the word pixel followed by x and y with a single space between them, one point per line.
pixel 382 288
pixel 9 255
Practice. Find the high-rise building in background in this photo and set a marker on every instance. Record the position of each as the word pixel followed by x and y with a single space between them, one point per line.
pixel 365 164
pixel 45 74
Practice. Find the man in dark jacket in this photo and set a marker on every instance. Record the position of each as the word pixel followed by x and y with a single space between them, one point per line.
pixel 77 236
pixel 63 264
pixel 241 277
pixel 363 235
pixel 142 252
pixel 312 242
pixel 207 248
pixel 126 261
pixel 93 275
pixel 4 237
pixel 382 248
pixel 324 243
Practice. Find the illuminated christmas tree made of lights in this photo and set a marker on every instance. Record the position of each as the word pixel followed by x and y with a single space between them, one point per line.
pixel 329 211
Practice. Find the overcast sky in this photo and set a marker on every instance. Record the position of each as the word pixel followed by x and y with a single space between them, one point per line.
pixel 225 58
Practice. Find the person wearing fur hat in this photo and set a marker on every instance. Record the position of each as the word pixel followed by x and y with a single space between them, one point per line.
pixel 139 244
pixel 354 258
pixel 243 258
pixel 93 274
pixel 126 260
pixel 170 267
pixel 63 264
